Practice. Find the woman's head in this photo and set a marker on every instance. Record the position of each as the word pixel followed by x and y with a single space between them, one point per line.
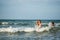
pixel 51 24
pixel 38 22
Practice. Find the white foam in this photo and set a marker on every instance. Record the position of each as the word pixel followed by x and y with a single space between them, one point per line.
pixel 5 23
pixel 29 29
pixel 25 29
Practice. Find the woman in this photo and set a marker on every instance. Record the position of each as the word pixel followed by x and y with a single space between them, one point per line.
pixel 51 24
pixel 38 25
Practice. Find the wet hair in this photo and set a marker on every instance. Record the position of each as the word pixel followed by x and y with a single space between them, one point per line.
pixel 39 20
pixel 52 22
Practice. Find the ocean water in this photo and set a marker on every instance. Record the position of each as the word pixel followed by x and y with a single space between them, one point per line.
pixel 25 30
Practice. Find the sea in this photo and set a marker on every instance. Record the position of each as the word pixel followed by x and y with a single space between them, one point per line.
pixel 25 30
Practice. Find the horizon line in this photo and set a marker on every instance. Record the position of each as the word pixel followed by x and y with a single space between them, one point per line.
pixel 29 19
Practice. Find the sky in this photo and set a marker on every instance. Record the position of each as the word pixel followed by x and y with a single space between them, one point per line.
pixel 30 9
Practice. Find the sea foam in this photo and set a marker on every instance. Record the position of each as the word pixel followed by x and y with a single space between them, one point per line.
pixel 25 29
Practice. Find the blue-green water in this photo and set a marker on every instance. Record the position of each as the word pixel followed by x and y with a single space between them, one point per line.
pixel 18 25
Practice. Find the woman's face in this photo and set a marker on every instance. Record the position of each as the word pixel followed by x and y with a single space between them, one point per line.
pixel 38 22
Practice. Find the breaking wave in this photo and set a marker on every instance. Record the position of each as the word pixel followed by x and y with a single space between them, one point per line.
pixel 25 29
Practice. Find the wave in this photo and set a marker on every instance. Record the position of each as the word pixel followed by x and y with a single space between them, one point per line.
pixel 14 23
pixel 25 23
pixel 20 29
pixel 25 29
